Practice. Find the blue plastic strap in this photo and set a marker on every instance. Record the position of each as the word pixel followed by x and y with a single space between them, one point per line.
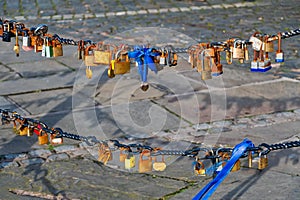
pixel 209 189
pixel 147 61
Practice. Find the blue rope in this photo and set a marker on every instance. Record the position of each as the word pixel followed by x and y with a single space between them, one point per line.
pixel 209 189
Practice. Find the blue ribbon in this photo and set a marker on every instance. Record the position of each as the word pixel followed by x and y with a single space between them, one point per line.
pixel 237 152
pixel 145 58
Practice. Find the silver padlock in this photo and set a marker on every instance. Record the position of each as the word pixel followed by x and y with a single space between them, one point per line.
pixel 26 40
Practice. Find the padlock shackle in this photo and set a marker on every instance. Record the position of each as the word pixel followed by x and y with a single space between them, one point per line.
pixel 89 48
pixel 279 42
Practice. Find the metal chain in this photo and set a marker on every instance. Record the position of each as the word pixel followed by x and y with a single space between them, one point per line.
pixel 8 116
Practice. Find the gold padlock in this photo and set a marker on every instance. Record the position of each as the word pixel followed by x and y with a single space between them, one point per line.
pixel 23 130
pixel 206 66
pixel 250 159
pixel 102 54
pixel 159 165
pixel 105 153
pixel 43 138
pixel 88 72
pixel 268 46
pixel 130 161
pixel 39 44
pixel 262 161
pixel 217 67
pixel 199 168
pixel 238 50
pixel 123 156
pixel 110 71
pixel 89 56
pixel 121 63
pixel 236 166
pixel 145 162
pixel 57 48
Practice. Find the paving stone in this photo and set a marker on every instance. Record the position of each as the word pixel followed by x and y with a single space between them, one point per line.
pixel 8 164
pixel 203 126
pixel 40 153
pixel 58 80
pixel 58 157
pixel 16 156
pixel 31 161
pixel 65 148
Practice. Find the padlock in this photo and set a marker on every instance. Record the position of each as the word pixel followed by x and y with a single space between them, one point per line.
pixel 15 129
pixel 89 56
pixel 49 48
pixel 191 57
pixel 29 132
pixel 121 63
pixel 39 44
pixel 256 43
pixel 123 156
pixel 17 47
pixel 110 71
pixel 145 162
pixel 199 168
pixel 1 27
pixel 279 53
pixel 263 65
pixel 268 46
pixel 88 72
pixel 254 62
pixel 229 57
pixel 79 49
pixel 246 52
pixel 250 159
pixel 262 161
pixel 6 36
pixel 159 165
pixel 54 140
pixel 57 48
pixel 206 66
pixel 105 153
pixel 44 48
pixel 130 161
pixel 217 67
pixel 26 42
pixel 236 166
pixel 163 57
pixel 238 50
pixel 23 130
pixel 43 138
pixel 102 54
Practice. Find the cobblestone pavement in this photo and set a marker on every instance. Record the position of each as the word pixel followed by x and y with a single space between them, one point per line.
pixel 178 110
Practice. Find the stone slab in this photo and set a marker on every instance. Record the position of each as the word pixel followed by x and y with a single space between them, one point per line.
pixel 59 80
pixel 218 104
pixel 124 185
pixel 250 184
pixel 39 68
